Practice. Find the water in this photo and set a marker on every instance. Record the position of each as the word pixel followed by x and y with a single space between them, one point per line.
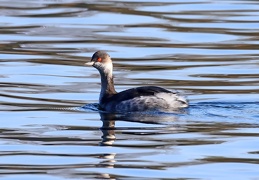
pixel 206 50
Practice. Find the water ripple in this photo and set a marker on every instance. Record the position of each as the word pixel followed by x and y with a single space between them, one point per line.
pixel 50 124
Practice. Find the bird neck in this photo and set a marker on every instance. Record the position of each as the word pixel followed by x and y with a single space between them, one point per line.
pixel 107 85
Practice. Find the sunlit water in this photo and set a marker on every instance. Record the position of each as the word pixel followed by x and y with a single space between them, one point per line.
pixel 206 50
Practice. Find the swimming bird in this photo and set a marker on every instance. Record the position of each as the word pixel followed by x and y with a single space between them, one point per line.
pixel 146 98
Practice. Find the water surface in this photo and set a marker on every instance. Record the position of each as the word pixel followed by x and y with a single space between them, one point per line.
pixel 206 50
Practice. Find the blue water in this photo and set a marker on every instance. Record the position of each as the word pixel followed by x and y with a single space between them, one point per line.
pixel 51 127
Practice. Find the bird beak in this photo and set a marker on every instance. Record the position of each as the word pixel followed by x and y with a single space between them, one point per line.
pixel 91 63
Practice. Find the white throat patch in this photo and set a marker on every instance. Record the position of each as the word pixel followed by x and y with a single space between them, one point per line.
pixel 108 68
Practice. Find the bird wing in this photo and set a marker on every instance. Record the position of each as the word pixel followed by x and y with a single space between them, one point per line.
pixel 135 92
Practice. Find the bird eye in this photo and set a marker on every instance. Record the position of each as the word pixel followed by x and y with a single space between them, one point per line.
pixel 99 59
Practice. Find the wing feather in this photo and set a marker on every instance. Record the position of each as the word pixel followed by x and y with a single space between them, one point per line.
pixel 134 92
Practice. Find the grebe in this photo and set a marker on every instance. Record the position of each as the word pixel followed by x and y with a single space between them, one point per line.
pixel 146 98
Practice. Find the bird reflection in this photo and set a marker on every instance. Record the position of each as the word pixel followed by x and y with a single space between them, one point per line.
pixel 108 119
pixel 108 129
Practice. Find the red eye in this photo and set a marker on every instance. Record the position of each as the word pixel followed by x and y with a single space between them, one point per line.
pixel 99 59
